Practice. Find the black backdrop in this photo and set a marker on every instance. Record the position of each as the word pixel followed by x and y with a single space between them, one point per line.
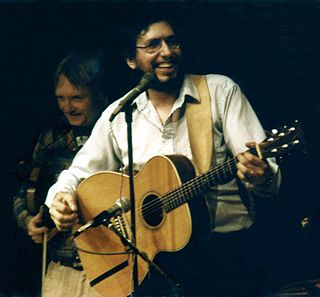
pixel 271 48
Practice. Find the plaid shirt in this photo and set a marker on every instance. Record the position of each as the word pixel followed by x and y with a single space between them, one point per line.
pixel 52 153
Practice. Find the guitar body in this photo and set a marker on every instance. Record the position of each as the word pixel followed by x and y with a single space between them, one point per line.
pixel 111 275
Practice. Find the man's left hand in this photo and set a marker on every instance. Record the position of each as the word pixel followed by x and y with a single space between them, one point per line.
pixel 251 169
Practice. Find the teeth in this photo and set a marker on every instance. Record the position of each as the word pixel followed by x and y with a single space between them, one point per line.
pixel 165 65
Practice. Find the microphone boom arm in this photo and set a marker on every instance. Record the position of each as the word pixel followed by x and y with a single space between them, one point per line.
pixel 143 85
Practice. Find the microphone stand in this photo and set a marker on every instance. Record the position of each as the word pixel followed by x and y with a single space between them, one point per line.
pixel 126 105
pixel 128 109
pixel 128 116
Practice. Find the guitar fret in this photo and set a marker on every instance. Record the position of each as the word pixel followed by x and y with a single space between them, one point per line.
pixel 225 173
pixel 229 165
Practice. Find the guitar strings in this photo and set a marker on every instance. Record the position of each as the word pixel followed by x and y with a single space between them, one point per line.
pixel 184 191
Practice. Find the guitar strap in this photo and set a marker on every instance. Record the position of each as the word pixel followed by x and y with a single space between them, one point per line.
pixel 200 125
pixel 199 121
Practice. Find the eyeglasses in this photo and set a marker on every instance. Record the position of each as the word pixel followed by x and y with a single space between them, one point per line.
pixel 155 45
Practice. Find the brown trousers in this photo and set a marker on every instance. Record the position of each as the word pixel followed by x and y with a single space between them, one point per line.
pixel 63 281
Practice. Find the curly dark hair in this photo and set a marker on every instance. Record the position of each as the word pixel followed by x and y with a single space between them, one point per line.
pixel 140 26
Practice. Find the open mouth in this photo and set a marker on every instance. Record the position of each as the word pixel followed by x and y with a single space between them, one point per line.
pixel 166 65
pixel 166 68
pixel 74 116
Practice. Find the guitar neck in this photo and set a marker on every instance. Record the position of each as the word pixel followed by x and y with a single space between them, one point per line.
pixel 200 184
pixel 218 175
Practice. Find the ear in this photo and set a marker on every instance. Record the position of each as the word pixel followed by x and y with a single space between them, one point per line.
pixel 131 62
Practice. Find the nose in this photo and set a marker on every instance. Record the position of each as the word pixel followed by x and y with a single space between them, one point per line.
pixel 66 105
pixel 165 50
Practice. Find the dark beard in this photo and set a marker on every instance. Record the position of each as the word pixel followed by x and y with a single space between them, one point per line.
pixel 172 86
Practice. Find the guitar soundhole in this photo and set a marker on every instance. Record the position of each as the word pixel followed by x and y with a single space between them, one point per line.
pixel 152 210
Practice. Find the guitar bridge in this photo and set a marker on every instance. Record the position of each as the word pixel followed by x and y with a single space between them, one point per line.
pixel 121 226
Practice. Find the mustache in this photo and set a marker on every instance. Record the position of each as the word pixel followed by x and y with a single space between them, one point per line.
pixel 173 61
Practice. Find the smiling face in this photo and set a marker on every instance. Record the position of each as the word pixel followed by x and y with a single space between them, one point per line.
pixel 165 60
pixel 75 103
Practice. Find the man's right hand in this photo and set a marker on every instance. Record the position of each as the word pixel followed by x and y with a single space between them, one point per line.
pixel 35 231
pixel 64 211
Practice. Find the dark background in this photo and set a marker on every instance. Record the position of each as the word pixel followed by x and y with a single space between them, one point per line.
pixel 271 48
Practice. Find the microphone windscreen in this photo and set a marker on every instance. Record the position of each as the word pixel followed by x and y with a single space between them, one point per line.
pixel 145 81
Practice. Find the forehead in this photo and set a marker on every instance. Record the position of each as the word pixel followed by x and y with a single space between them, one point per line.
pixel 65 86
pixel 157 30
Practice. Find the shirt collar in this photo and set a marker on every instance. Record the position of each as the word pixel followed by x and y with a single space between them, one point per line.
pixel 188 91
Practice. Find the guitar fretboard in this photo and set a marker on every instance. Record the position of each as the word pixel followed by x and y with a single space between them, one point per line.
pixel 202 183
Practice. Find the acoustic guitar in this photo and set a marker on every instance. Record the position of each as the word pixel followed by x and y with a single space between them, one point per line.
pixel 163 189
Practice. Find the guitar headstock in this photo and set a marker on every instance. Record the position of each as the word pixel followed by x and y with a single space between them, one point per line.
pixel 282 141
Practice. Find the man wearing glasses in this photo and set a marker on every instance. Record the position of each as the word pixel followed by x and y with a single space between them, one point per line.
pixel 217 264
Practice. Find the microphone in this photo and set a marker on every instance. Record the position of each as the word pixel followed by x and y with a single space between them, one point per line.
pixel 122 205
pixel 144 83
